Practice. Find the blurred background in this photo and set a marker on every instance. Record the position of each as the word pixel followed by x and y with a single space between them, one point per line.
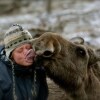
pixel 70 17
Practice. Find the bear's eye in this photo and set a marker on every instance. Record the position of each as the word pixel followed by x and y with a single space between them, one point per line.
pixel 80 52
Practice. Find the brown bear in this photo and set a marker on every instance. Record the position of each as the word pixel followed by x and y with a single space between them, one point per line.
pixel 69 65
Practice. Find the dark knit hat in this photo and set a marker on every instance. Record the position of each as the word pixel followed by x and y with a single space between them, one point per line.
pixel 14 37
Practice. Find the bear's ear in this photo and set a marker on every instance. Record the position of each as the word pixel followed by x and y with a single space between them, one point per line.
pixel 77 40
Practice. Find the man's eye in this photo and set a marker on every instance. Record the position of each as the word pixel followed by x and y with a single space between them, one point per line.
pixel 20 50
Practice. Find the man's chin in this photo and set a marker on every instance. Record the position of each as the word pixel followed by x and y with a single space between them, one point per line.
pixel 29 62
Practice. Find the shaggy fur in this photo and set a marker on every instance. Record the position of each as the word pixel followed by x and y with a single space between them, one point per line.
pixel 69 65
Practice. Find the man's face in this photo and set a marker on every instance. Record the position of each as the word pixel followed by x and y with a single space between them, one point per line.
pixel 24 55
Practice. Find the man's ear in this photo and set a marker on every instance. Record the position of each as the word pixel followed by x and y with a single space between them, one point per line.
pixel 77 40
pixel 11 56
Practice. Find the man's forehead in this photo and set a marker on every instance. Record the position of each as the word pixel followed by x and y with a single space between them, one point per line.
pixel 24 45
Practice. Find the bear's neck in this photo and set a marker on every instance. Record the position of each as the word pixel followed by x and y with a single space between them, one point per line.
pixel 76 92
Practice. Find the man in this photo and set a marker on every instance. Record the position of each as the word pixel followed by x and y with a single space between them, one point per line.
pixel 20 78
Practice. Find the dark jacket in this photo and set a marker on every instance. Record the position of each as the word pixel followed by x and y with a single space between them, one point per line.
pixel 28 86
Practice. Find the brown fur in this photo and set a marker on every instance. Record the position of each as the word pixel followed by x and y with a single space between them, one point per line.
pixel 91 51
pixel 69 65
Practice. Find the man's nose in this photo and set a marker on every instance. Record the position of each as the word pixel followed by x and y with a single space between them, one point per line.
pixel 25 51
